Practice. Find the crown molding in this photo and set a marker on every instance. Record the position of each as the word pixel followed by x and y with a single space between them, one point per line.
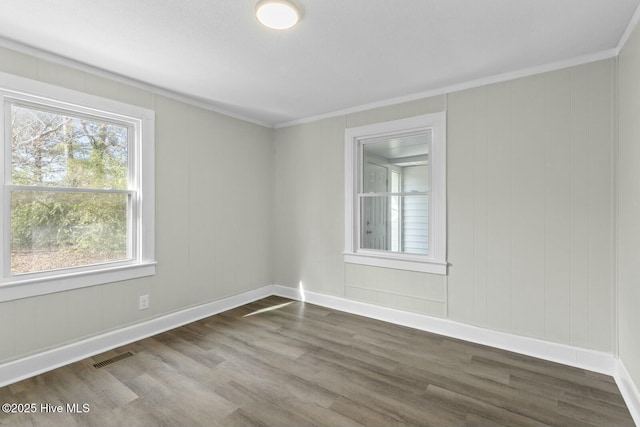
pixel 81 66
pixel 498 78
pixel 633 23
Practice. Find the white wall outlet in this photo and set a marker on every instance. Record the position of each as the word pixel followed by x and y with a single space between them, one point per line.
pixel 143 302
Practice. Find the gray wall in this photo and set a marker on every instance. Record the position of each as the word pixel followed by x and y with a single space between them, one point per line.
pixel 530 196
pixel 212 220
pixel 629 207
pixel 530 184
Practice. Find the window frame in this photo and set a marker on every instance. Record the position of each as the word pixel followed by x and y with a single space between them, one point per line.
pixel 26 92
pixel 435 261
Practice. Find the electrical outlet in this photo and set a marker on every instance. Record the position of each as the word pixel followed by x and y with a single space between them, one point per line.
pixel 143 302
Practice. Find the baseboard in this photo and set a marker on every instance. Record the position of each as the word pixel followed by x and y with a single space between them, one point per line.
pixel 561 353
pixel 29 366
pixel 629 391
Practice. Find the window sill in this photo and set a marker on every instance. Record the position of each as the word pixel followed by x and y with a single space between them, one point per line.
pixel 17 288
pixel 399 263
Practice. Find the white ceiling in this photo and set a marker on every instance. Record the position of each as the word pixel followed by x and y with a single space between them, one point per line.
pixel 341 55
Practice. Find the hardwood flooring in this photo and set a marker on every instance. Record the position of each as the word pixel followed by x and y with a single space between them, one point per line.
pixel 277 362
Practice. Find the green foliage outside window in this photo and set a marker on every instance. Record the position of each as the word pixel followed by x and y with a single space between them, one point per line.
pixel 51 228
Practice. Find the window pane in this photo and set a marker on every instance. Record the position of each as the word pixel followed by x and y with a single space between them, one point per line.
pixel 415 224
pixel 55 149
pixel 380 158
pixel 52 230
pixel 375 223
pixel 389 218
pixel 399 150
pixel 392 217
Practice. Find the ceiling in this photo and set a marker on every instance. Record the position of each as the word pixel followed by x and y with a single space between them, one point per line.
pixel 342 54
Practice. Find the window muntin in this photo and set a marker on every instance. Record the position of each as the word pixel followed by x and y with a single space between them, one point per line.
pixel 395 194
pixel 85 183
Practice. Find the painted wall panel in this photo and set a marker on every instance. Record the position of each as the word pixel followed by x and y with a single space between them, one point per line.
pixel 534 208
pixel 404 290
pixel 480 212
pixel 172 245
pixel 84 312
pixel 628 225
pixel 601 232
pixel 557 184
pixel 309 203
pixel 527 208
pixel 498 109
pixel 7 330
pixel 130 298
pixel 113 305
pixel 18 63
pixel 467 176
pixel 462 108
pixel 25 327
pixel 51 323
pixel 579 197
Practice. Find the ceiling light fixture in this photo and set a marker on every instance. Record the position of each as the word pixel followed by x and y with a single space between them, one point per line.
pixel 277 14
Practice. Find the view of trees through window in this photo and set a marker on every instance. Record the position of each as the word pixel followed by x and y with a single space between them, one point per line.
pixel 69 190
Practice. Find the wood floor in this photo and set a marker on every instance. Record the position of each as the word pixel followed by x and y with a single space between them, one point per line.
pixel 277 362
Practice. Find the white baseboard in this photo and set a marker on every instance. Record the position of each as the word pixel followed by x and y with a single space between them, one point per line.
pixel 38 363
pixel 596 361
pixel 629 391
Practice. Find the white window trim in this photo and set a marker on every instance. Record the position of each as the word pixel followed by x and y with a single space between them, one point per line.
pixel 436 261
pixel 143 264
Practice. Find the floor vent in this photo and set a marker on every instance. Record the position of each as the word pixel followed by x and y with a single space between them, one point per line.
pixel 113 359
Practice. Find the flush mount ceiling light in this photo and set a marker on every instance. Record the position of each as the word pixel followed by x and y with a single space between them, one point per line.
pixel 277 14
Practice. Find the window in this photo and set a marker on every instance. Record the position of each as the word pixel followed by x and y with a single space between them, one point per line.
pixel 77 190
pixel 395 194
